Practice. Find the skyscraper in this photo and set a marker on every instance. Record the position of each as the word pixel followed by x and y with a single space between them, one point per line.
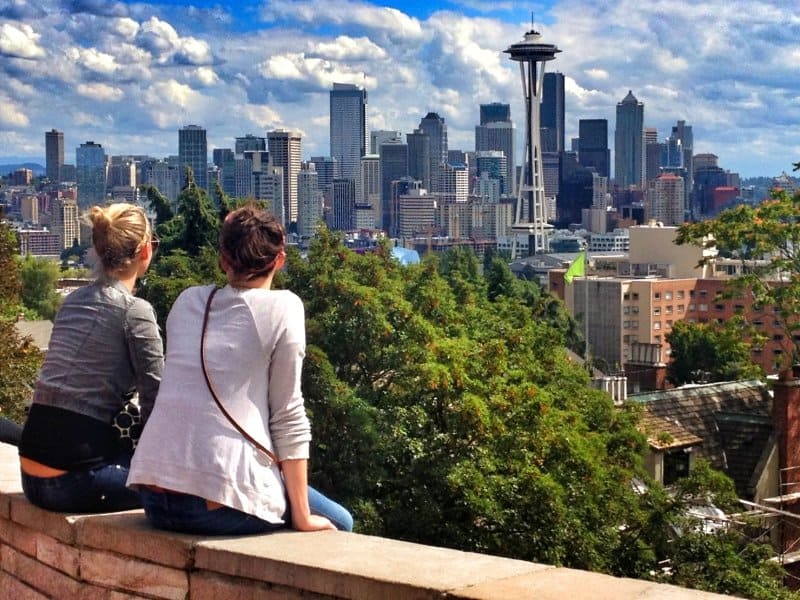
pixel 193 152
pixel 249 142
pixel 54 154
pixel 348 127
pixel 683 132
pixel 309 202
pixel 90 172
pixel 666 203
pixel 434 126
pixel 419 157
pixel 628 139
pixel 284 151
pixel 593 145
pixel 495 112
pixel 394 166
pixel 552 113
pixel 496 132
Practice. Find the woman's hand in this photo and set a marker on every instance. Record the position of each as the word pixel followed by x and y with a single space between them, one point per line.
pixel 311 523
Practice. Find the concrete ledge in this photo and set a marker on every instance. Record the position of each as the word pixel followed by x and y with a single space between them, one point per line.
pixel 119 556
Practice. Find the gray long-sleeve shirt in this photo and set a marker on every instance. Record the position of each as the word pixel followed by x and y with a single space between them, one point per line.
pixel 105 344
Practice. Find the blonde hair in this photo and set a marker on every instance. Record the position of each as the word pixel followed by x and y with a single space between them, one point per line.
pixel 119 232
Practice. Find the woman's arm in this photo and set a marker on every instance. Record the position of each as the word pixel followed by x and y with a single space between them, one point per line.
pixel 146 350
pixel 296 480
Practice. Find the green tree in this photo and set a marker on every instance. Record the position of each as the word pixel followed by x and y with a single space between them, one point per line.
pixel 19 358
pixel 158 203
pixel 707 352
pixel 39 282
pixel 766 240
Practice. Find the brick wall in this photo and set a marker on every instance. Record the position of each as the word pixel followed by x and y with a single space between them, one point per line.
pixel 119 557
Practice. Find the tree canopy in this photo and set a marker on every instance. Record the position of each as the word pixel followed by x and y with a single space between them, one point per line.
pixel 708 352
pixel 765 238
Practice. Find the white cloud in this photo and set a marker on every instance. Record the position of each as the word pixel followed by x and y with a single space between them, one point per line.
pixel 125 27
pixel 260 116
pixel 12 114
pixel 94 60
pixel 347 48
pixel 20 41
pixel 299 67
pixel 100 91
pixel 206 76
pixel 390 21
pixel 597 74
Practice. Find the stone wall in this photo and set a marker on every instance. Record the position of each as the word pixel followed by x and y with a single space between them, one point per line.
pixel 119 556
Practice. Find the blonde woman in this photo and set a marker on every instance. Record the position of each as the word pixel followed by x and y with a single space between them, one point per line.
pixel 105 345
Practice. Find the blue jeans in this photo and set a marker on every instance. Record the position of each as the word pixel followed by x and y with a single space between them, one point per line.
pixel 94 491
pixel 190 514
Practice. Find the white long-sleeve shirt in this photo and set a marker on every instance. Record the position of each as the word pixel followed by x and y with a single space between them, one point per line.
pixel 255 344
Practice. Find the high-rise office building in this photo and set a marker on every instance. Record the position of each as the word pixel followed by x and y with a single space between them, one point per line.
pixel 250 142
pixel 267 185
pixel 493 164
pixel 66 222
pixel 628 140
pixel 593 148
pixel 381 136
pixel 368 191
pixel 496 132
pixel 165 178
pixel 666 203
pixel 495 112
pixel 348 127
pixel 343 205
pixel 419 157
pixel 284 152
pixel 193 153
pixel 326 169
pixel 434 126
pixel 54 154
pixel 683 133
pixel 309 202
pixel 394 166
pixel 552 113
pixel 91 172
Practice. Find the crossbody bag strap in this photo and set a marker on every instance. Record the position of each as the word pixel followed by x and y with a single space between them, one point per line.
pixel 213 391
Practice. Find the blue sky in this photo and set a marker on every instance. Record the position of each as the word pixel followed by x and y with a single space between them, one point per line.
pixel 128 75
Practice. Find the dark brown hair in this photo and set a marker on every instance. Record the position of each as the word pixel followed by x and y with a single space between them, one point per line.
pixel 251 240
pixel 119 232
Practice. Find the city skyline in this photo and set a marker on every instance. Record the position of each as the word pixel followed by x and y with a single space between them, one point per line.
pixel 128 76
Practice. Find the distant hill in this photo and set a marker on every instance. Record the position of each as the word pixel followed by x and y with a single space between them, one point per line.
pixel 10 168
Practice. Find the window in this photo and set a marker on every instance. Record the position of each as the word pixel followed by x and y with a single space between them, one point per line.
pixel 681 309
pixel 680 294
pixel 626 310
pixel 669 323
pixel 668 310
pixel 719 307
pixel 691 293
pixel 634 324
pixel 656 324
pixel 777 337
pixel 704 292
pixel 667 295
pixel 657 339
pixel 738 307
pixel 626 324
pixel 635 296
pixel 626 296
pixel 691 307
pixel 656 311
pixel 676 465
pixel 626 339
pixel 703 308
pixel 634 310
pixel 758 323
pixel 657 296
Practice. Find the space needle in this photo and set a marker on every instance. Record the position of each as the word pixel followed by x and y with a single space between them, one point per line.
pixel 532 54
